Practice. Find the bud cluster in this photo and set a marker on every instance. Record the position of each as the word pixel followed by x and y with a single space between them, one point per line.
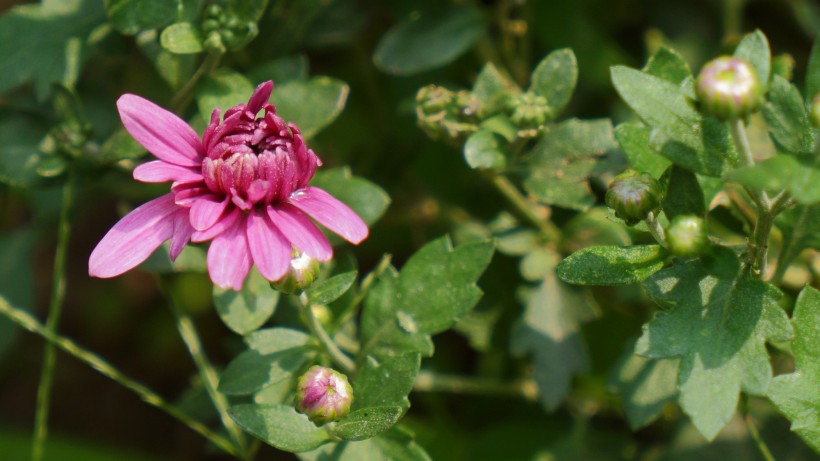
pixel 633 195
pixel 224 31
pixel 447 114
pixel 529 112
pixel 302 272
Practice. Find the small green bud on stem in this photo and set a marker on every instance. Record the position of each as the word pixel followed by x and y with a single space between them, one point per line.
pixel 728 88
pixel 633 195
pixel 687 236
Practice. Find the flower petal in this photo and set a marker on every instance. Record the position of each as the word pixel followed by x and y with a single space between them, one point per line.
pixel 301 231
pixel 182 233
pixel 270 250
pixel 160 171
pixel 331 213
pixel 260 96
pixel 134 238
pixel 162 133
pixel 226 222
pixel 229 259
pixel 206 211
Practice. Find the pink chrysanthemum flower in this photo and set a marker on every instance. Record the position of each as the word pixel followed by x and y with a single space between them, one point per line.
pixel 244 186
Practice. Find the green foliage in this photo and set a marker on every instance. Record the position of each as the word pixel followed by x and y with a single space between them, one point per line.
pixel 555 78
pixel 798 175
pixel 611 265
pixel 366 423
pixel 754 49
pixel 132 16
pixel 386 382
pixel 483 150
pixel 683 193
pixel 247 310
pixel 718 328
pixel 182 38
pixel 280 426
pixel 16 278
pixel 20 154
pixel 394 445
pixel 330 290
pixel 646 386
pixel 311 104
pixel 797 395
pixel 786 116
pixel 633 139
pixel 669 65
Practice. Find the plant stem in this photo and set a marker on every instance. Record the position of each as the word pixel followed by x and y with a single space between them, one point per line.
pixel 428 381
pixel 337 356
pixel 367 282
pixel 183 96
pixel 58 290
pixel 655 229
pixel 521 205
pixel 760 246
pixel 759 442
pixel 29 323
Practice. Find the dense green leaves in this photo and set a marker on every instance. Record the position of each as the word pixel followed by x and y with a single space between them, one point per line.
pixel 385 382
pixel 280 426
pixel 555 78
pixel 798 175
pixel 697 143
pixel 801 229
pixel 20 154
pixel 683 194
pixel 787 119
pixel 718 328
pixel 565 157
pixel 634 141
pixel 797 395
pixel 367 422
pixel 646 386
pixel 329 290
pixel 429 39
pixel 310 104
pixel 754 49
pixel 246 310
pixel 483 150
pixel 395 445
pixel 132 16
pixel 669 65
pixel 611 265
pixel 222 90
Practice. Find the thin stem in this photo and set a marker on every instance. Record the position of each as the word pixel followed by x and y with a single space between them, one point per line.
pixel 209 376
pixel 760 245
pixel 521 205
pixel 29 323
pixel 655 229
pixel 744 151
pixel 759 442
pixel 428 381
pixel 336 355
pixel 732 14
pixel 183 96
pixel 58 290
pixel 367 282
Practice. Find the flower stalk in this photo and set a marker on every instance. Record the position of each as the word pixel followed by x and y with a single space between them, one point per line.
pixel 428 381
pixel 655 229
pixel 521 205
pixel 337 356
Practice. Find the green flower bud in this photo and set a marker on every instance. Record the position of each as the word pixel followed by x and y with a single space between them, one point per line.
pixel 323 394
pixel 213 43
pixel 783 65
pixel 633 195
pixel 529 112
pixel 303 270
pixel 687 236
pixel 814 111
pixel 728 88
pixel 446 114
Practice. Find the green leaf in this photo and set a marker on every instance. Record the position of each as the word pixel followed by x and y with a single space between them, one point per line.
pixel 277 339
pixel 754 49
pixel 718 328
pixel 798 175
pixel 16 278
pixel 813 71
pixel 223 89
pixel 330 290
pixel 368 200
pixel 427 40
pixel 611 265
pixel 549 331
pixel 44 42
pixel 492 89
pixel 252 371
pixel 789 125
pixel 366 423
pixel 192 259
pixel 132 16
pixel 394 445
pixel 564 158
pixel 797 395
pixel 246 10
pixel 281 70
pixel 669 65
pixel 800 226
pixel 697 143
pixel 20 153
pixel 483 150
pixel 435 287
pixel 646 386
pixel 311 104
pixel 182 38
pixel 280 426
pixel 385 382
pixel 683 194
pixel 634 141
pixel 246 310
pixel 555 77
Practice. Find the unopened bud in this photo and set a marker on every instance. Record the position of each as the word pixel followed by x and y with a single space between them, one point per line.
pixel 302 272
pixel 687 236
pixel 323 394
pixel 633 195
pixel 444 113
pixel 728 88
pixel 529 112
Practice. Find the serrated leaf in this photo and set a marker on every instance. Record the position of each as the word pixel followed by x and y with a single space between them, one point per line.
pixel 434 288
pixel 280 426
pixel 754 49
pixel 646 386
pixel 248 309
pixel 395 445
pixel 611 265
pixel 634 141
pixel 311 104
pixel 683 194
pixel 132 16
pixel 813 71
pixel 367 199
pixel 565 157
pixel 718 328
pixel 786 116
pixel 669 65
pixel 429 39
pixel 549 332
pixel 366 423
pixel 182 38
pixel 797 395
pixel 329 290
pixel 492 89
pixel 192 259
pixel 20 153
pixel 798 175
pixel 482 150
pixel 44 42
pixel 385 382
pixel 697 143
pixel 555 77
